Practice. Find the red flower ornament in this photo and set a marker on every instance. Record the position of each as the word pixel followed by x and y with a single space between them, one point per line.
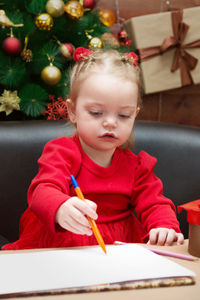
pixel 81 53
pixel 132 57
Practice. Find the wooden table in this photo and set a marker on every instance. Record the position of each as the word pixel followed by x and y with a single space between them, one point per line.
pixel 190 292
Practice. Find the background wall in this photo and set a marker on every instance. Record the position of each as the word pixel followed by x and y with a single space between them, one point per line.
pixel 175 106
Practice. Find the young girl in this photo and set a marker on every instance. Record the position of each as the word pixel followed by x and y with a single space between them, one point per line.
pixel 104 102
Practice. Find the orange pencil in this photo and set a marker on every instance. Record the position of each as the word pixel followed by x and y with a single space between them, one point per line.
pixel 91 221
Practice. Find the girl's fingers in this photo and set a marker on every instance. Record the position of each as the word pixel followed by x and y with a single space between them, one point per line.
pixel 180 238
pixel 162 236
pixel 171 237
pixel 91 204
pixel 165 236
pixel 75 227
pixel 153 237
pixel 86 207
pixel 72 215
pixel 77 217
pixel 157 236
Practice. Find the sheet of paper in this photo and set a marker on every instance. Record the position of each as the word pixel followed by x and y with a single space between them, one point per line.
pixel 57 269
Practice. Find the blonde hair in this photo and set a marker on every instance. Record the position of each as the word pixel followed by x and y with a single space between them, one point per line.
pixel 110 62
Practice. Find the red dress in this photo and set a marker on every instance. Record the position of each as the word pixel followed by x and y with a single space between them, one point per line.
pixel 128 185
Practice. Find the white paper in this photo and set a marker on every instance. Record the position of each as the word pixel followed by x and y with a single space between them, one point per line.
pixel 57 269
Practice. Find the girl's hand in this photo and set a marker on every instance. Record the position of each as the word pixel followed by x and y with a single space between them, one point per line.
pixel 165 236
pixel 71 215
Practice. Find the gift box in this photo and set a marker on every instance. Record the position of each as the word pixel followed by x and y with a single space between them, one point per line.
pixel 169 48
pixel 193 218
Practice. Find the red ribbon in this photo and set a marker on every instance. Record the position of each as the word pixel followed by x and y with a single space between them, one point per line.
pixel 182 59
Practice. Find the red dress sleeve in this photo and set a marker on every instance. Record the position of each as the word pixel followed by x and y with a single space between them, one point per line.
pixel 152 208
pixel 50 188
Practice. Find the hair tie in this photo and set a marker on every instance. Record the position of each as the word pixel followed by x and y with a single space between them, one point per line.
pixel 132 57
pixel 81 53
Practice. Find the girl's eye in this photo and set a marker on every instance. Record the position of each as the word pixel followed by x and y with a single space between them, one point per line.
pixel 123 116
pixel 95 113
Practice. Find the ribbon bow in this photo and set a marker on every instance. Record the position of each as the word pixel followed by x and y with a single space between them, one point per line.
pixel 182 59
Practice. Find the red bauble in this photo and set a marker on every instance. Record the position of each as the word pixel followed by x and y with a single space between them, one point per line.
pixel 67 50
pixel 12 46
pixel 89 4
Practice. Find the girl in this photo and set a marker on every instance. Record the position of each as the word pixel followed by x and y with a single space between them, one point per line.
pixel 104 102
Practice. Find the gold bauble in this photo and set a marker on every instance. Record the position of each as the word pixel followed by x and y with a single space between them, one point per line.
pixel 74 9
pixel 107 17
pixel 55 8
pixel 44 21
pixel 51 75
pixel 96 43
pixel 110 40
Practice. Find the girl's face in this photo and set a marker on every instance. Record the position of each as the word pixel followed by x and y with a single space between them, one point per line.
pixel 104 113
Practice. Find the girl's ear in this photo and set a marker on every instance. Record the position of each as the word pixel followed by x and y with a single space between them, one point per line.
pixel 137 111
pixel 71 111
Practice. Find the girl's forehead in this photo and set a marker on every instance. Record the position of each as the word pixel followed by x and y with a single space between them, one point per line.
pixel 108 89
pixel 100 78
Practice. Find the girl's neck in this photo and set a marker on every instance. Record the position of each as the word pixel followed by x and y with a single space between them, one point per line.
pixel 101 158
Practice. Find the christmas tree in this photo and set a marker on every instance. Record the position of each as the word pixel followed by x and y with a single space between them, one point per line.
pixel 38 38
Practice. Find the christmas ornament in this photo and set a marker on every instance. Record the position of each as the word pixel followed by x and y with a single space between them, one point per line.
pixel 26 54
pixel 56 109
pixel 55 8
pixel 123 34
pixel 12 46
pixel 44 21
pixel 51 75
pixel 33 99
pixel 81 53
pixel 6 22
pixel 89 3
pixel 9 101
pixel 110 40
pixel 96 43
pixel 67 50
pixel 107 17
pixel 123 38
pixel 132 57
pixel 74 9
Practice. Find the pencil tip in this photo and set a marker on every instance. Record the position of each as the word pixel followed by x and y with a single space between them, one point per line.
pixel 104 249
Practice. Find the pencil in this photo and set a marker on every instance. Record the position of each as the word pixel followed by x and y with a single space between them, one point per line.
pixel 172 254
pixel 91 221
pixel 164 252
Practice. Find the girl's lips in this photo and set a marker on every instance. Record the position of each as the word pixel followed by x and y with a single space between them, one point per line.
pixel 108 136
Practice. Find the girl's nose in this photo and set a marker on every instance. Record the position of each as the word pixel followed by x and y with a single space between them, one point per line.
pixel 110 122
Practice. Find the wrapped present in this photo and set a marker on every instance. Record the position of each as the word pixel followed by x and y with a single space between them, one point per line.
pixel 169 48
pixel 193 218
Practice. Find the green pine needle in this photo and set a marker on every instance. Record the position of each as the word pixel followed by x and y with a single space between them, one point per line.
pixel 42 57
pixel 14 4
pixel 12 72
pixel 16 74
pixel 89 22
pixel 36 6
pixel 33 100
